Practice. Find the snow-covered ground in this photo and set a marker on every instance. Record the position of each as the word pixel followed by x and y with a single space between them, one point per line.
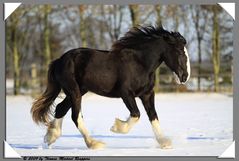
pixel 198 124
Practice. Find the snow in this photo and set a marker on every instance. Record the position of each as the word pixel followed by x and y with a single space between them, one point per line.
pixel 199 124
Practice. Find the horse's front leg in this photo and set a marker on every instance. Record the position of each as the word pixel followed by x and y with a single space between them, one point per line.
pixel 90 142
pixel 148 102
pixel 125 126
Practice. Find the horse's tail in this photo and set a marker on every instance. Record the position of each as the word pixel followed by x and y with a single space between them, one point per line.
pixel 40 110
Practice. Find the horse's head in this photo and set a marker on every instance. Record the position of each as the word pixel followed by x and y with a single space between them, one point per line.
pixel 176 57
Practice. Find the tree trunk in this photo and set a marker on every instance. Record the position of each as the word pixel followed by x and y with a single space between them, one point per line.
pixel 176 15
pixel 82 26
pixel 15 41
pixel 199 13
pixel 134 13
pixel 199 63
pixel 91 37
pixel 157 73
pixel 46 37
pixel 199 38
pixel 16 61
pixel 176 22
pixel 158 13
pixel 46 58
pixel 216 49
pixel 33 79
pixel 102 41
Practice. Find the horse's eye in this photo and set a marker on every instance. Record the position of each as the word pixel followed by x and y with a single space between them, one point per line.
pixel 180 48
pixel 181 51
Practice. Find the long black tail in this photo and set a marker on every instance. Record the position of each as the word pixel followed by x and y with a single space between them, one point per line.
pixel 41 110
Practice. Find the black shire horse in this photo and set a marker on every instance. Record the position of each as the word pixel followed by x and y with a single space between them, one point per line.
pixel 126 71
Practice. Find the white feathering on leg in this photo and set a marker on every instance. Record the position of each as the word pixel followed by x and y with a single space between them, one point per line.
pixel 124 127
pixel 90 142
pixel 53 131
pixel 164 143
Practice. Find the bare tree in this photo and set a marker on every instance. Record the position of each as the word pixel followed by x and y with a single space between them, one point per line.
pixel 16 60
pixel 82 25
pixel 200 18
pixel 134 13
pixel 157 73
pixel 46 36
pixel 113 19
pixel 102 25
pixel 216 47
pixel 158 13
pixel 13 27
pixel 173 11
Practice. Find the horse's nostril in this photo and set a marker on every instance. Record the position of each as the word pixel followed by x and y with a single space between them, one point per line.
pixel 184 78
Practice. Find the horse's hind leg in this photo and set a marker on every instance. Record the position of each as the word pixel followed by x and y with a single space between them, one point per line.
pixel 148 102
pixel 125 126
pixel 73 91
pixel 55 126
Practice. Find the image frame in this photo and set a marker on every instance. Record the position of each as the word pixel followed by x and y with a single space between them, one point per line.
pixel 235 74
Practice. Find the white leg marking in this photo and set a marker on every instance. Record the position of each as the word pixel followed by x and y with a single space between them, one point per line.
pixel 188 63
pixel 53 131
pixel 90 142
pixel 124 126
pixel 163 142
pixel 81 126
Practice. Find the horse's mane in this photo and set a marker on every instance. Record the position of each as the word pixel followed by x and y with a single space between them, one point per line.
pixel 138 35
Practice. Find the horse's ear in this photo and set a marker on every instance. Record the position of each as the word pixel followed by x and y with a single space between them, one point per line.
pixel 179 38
pixel 170 39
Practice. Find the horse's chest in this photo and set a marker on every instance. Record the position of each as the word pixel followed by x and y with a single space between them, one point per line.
pixel 140 90
pixel 142 85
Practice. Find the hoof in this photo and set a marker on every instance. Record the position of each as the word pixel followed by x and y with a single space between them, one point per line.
pixel 165 143
pixel 120 127
pixel 45 146
pixel 51 136
pixel 94 144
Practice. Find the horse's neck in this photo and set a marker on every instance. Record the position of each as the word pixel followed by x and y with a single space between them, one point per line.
pixel 152 60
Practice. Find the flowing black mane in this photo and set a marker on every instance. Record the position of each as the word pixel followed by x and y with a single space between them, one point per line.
pixel 139 35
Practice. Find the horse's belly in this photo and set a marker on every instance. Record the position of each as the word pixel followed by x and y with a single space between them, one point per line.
pixel 99 82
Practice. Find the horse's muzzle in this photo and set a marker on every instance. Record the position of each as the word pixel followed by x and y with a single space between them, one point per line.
pixel 183 78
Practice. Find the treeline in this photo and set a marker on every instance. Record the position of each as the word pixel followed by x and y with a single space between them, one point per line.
pixel 37 34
